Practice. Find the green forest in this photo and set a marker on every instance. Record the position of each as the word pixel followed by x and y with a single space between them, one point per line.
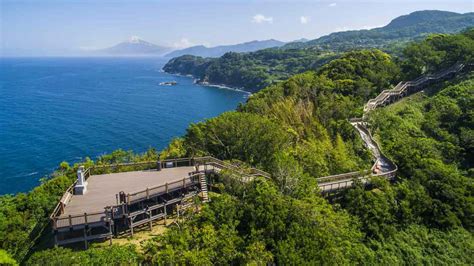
pixel 257 70
pixel 413 26
pixel 298 130
pixel 249 71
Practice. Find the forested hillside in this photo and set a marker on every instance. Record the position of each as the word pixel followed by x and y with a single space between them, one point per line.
pixel 401 29
pixel 248 71
pixel 256 70
pixel 298 130
pixel 425 218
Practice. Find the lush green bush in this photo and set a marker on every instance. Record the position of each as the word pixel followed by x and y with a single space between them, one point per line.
pixel 261 226
pixel 23 217
pixel 6 259
pixel 418 245
pixel 429 140
pixel 232 135
pixel 113 255
pixel 436 52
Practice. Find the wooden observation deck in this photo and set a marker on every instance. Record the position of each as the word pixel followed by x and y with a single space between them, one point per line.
pixel 123 196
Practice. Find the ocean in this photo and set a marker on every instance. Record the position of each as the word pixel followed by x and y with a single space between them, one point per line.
pixel 65 109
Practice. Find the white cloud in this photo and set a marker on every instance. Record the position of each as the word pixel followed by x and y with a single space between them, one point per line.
pixel 183 43
pixel 134 39
pixel 304 19
pixel 332 5
pixel 259 18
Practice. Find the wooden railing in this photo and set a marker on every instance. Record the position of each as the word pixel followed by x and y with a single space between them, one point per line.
pixel 214 162
pixel 154 191
pixel 118 168
pixel 401 89
pixel 335 182
pixel 59 209
pixel 192 179
pixel 83 219
pixel 344 176
pixel 340 181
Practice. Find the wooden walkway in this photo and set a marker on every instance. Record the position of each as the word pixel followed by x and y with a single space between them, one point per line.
pixel 124 196
pixel 120 197
pixel 383 167
pixel 102 189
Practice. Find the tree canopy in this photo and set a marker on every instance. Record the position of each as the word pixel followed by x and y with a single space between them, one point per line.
pixel 298 130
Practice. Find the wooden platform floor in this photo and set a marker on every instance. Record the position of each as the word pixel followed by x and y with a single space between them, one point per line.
pixel 101 189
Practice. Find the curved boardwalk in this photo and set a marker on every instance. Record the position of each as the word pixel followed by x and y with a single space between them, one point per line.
pixel 124 196
pixel 383 167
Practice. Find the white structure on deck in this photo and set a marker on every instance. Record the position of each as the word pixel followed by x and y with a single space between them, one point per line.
pixel 81 186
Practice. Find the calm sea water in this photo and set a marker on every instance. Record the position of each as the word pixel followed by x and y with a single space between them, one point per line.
pixel 55 109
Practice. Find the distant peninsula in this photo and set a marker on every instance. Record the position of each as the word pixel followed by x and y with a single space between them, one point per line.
pixel 256 70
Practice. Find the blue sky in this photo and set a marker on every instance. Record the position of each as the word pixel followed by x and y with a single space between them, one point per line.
pixel 65 26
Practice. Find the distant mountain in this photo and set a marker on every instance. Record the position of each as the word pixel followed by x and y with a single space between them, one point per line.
pixel 256 70
pixel 134 46
pixel 401 29
pixel 201 50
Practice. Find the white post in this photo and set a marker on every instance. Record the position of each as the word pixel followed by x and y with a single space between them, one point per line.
pixel 81 186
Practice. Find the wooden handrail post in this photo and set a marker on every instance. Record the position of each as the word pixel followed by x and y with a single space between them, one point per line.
pixel 151 222
pixel 166 187
pixel 85 217
pixel 70 221
pixel 164 207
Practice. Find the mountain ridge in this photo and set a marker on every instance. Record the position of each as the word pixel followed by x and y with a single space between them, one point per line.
pixel 133 47
pixel 217 51
pixel 402 28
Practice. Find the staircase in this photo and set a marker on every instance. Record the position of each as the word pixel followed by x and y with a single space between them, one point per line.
pixel 383 167
pixel 404 88
pixel 204 193
pixel 186 203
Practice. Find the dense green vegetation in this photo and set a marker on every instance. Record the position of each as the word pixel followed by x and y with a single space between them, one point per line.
pixel 112 255
pixel 256 70
pixel 436 52
pixel 303 119
pixel 400 30
pixel 249 71
pixel 435 156
pixel 298 130
pixel 23 217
